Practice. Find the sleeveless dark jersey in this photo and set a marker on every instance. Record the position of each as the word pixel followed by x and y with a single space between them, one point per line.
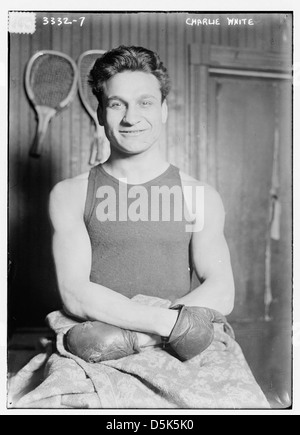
pixel 147 255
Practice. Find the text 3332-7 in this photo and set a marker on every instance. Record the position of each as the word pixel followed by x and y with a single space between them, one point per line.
pixel 59 21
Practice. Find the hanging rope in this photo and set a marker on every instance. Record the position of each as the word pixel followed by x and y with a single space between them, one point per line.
pixel 274 214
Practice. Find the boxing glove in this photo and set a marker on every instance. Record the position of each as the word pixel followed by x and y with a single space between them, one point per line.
pixel 193 331
pixel 97 341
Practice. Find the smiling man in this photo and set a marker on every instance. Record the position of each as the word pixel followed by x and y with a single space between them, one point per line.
pixel 102 264
pixel 132 111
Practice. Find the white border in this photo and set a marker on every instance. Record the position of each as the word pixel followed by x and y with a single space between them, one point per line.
pixel 159 5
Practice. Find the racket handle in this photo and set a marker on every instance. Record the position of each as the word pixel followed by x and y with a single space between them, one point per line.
pixel 102 146
pixel 44 114
pixel 97 148
pixel 93 153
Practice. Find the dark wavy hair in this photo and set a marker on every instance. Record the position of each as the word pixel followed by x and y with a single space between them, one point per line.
pixel 123 59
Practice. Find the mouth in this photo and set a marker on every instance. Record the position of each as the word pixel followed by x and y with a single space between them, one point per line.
pixel 131 133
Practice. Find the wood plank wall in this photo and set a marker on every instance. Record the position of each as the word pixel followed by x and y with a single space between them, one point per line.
pixel 32 291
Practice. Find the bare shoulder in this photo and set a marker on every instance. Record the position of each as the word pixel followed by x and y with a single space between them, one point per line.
pixel 212 198
pixel 69 194
pixel 188 180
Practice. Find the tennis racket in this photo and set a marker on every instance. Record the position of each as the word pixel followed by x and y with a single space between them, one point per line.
pixel 100 148
pixel 51 82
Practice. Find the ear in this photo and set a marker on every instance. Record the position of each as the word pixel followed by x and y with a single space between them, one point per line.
pixel 100 114
pixel 165 111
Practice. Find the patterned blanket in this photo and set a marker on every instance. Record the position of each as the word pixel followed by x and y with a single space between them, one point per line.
pixel 219 378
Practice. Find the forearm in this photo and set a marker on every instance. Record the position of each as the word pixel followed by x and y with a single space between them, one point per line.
pixel 146 340
pixel 216 294
pixel 90 301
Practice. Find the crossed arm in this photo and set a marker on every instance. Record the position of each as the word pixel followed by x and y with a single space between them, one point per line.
pixel 81 297
pixel 211 259
pixel 89 301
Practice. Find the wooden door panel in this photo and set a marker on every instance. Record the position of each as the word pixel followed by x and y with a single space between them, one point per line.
pixel 236 108
pixel 243 131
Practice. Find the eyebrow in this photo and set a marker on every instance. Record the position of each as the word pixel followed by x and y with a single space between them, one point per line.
pixel 116 97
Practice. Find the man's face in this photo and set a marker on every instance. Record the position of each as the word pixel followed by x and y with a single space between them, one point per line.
pixel 132 111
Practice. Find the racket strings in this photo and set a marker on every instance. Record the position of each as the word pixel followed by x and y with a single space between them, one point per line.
pixel 100 148
pixel 51 80
pixel 86 65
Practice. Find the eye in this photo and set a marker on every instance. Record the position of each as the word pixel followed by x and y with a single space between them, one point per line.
pixel 116 105
pixel 146 103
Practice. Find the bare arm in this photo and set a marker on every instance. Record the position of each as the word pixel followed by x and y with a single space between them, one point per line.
pixel 211 259
pixel 81 297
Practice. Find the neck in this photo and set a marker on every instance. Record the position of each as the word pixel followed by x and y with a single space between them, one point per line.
pixel 137 169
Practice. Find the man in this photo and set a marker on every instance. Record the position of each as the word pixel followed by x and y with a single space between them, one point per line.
pixel 102 263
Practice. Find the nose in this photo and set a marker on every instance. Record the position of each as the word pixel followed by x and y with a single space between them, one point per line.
pixel 131 116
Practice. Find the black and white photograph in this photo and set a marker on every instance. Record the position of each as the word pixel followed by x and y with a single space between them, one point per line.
pixel 150 211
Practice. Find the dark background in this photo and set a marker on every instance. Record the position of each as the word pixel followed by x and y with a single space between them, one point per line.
pixel 222 129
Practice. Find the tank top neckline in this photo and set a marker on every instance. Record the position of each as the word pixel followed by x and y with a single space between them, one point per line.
pixel 117 181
